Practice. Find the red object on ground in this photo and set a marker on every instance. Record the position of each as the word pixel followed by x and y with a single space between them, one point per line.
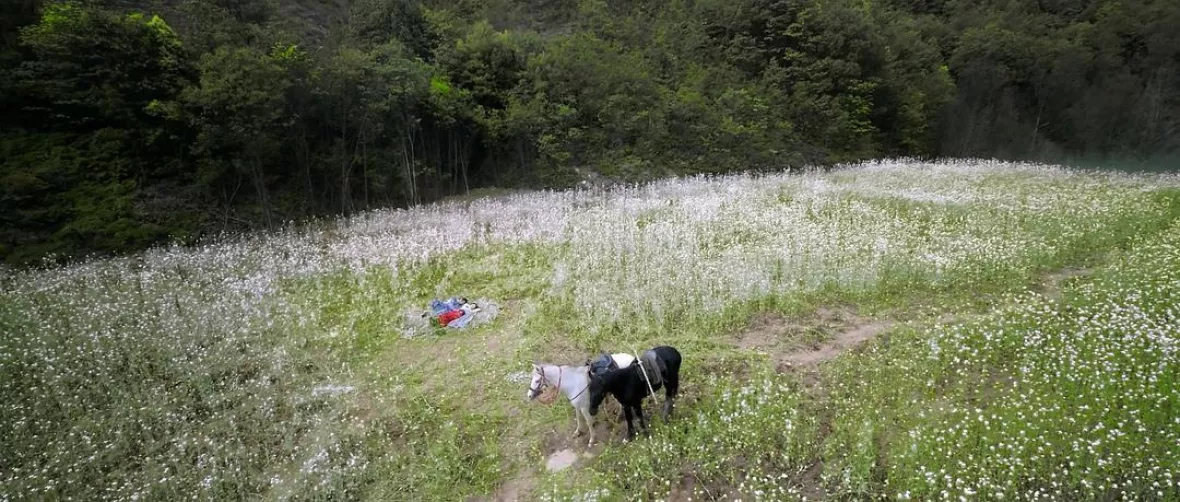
pixel 446 317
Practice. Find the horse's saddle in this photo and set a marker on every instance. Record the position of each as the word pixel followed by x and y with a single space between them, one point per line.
pixel 604 364
pixel 653 367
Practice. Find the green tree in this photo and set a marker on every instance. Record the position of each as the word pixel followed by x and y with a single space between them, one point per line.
pixel 15 14
pixel 84 134
pixel 119 131
pixel 238 109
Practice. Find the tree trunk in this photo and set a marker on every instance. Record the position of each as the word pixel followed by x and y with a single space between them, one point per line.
pixel 413 168
pixel 407 160
pixel 365 171
pixel 306 155
pixel 520 154
pixel 1032 148
pixel 1153 100
pixel 464 152
pixel 344 188
pixel 441 163
pixel 260 187
pixel 229 200
pixel 453 154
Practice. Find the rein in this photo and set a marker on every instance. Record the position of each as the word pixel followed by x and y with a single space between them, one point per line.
pixel 575 396
pixel 580 392
pixel 560 372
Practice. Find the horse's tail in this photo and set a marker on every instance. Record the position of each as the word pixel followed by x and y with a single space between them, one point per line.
pixel 669 356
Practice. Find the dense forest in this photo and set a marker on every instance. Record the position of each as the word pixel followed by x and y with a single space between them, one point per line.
pixel 130 123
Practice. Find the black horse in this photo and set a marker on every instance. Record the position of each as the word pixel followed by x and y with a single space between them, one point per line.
pixel 658 367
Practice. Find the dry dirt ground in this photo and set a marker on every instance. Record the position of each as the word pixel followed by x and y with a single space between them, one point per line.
pixel 801 342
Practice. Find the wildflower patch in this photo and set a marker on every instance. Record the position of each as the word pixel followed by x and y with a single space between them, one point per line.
pixel 284 365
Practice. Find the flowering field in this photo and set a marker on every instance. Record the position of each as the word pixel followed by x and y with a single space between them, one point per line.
pixel 287 366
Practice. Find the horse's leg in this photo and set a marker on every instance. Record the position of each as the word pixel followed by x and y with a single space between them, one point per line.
pixel 671 389
pixel 577 420
pixel 669 402
pixel 642 421
pixel 630 428
pixel 589 425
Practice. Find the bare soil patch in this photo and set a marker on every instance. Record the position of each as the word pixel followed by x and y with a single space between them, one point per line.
pixel 561 460
pixel 608 428
pixel 849 338
pixel 1053 282
pixel 683 490
pixel 518 487
pixel 810 340
pixel 687 490
pixel 811 485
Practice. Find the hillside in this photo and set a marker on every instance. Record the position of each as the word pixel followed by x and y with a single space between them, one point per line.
pixel 128 123
pixel 899 329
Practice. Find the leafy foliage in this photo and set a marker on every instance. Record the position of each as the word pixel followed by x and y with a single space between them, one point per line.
pixel 240 117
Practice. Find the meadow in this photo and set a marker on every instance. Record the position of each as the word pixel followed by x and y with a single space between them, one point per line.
pixel 957 330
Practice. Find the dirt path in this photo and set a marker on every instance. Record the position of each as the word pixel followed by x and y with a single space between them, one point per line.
pixel 799 345
pixel 1053 283
pixel 809 340
pixel 844 340
pixel 516 488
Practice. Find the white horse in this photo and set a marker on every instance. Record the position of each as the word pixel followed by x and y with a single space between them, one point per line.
pixel 574 383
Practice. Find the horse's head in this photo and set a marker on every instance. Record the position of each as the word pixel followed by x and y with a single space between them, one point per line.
pixel 538 382
pixel 597 391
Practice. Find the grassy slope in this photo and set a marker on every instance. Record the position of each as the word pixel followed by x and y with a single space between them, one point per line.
pixel 689 264
pixel 553 332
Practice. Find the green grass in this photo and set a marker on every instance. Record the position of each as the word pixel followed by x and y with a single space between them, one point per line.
pixel 166 383
pixel 755 450
pixel 1024 398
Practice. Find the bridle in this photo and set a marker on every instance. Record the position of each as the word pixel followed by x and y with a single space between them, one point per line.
pixel 536 391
